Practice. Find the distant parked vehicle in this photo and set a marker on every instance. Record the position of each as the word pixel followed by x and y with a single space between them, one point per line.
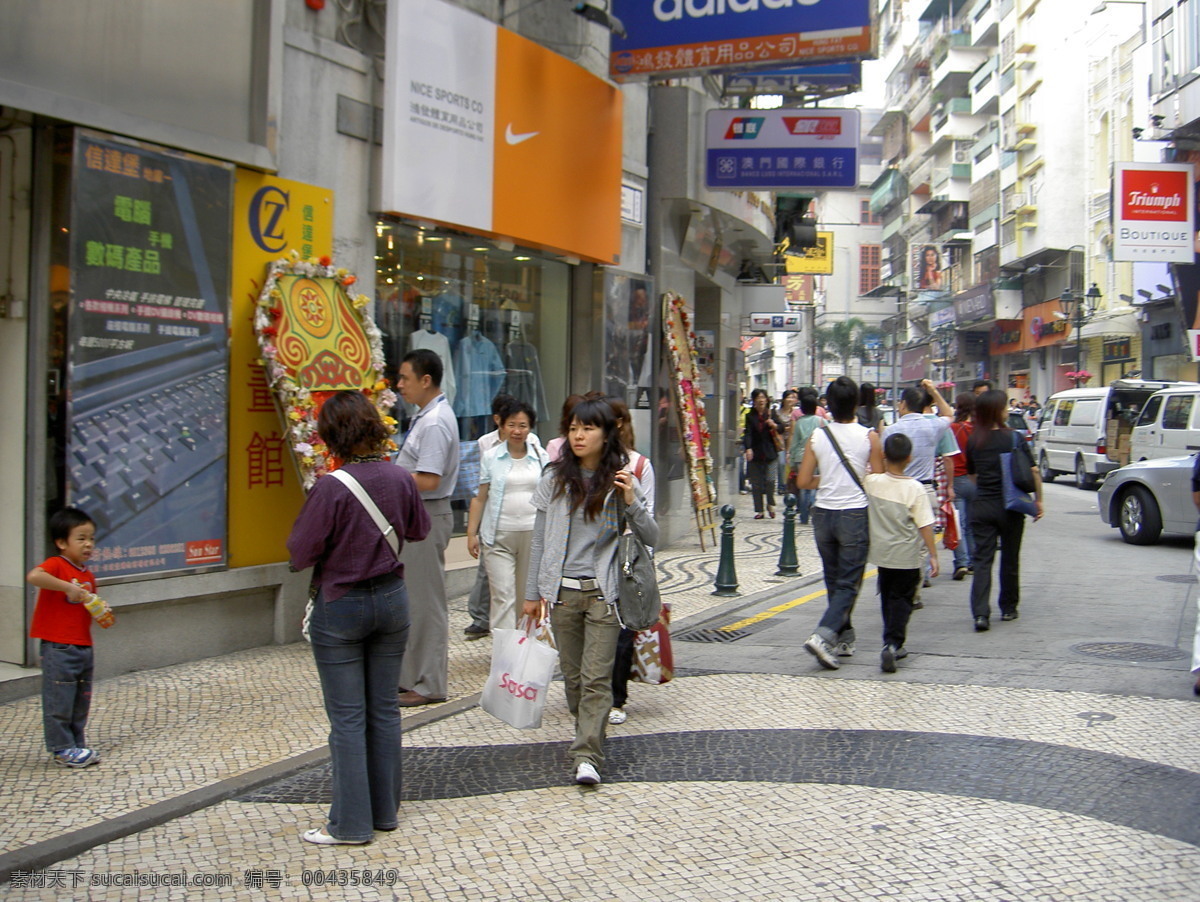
pixel 1147 498
pixel 1169 424
pixel 1086 431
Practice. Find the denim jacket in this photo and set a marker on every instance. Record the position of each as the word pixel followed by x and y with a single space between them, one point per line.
pixel 494 468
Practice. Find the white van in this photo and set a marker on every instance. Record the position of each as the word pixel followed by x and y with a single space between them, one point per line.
pixel 1169 425
pixel 1078 426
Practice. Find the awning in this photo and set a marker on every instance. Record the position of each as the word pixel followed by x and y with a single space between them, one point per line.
pixel 891 187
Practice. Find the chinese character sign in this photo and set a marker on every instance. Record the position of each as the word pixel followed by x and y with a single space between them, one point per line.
pixel 148 356
pixel 272 218
pixel 784 148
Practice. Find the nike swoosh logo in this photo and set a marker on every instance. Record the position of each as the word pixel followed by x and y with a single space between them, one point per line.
pixel 513 138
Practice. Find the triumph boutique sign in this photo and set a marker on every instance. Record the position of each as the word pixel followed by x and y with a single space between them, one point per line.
pixel 1153 208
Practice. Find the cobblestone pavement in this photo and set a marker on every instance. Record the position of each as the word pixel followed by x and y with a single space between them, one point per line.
pixel 720 785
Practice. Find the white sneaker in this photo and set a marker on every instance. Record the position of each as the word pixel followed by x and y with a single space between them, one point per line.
pixel 819 649
pixel 617 716
pixel 586 774
pixel 844 649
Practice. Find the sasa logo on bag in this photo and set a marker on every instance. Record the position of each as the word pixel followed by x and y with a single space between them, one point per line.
pixel 518 689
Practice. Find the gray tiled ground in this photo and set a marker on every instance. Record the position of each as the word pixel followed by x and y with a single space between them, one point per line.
pixel 167 732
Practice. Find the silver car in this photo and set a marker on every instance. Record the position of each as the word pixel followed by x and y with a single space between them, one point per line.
pixel 1147 498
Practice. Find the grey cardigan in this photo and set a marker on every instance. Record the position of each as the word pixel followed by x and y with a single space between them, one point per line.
pixel 551 529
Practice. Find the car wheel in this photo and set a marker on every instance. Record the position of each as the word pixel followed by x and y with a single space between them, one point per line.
pixel 1044 468
pixel 1138 517
pixel 1083 479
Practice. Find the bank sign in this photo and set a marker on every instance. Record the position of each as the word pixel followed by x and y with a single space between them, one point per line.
pixel 1153 212
pixel 784 148
pixel 681 37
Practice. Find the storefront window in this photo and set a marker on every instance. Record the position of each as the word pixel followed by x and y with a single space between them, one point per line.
pixel 497 318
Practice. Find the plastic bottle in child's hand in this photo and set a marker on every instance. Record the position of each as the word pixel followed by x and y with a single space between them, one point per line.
pixel 99 610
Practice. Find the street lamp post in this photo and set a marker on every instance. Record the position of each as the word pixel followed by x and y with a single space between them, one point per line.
pixel 1079 310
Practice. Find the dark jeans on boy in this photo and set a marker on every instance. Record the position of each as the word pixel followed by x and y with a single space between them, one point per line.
pixel 623 667
pixel 66 694
pixel 897 589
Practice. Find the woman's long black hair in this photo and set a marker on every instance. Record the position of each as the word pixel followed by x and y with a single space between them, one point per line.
pixel 568 475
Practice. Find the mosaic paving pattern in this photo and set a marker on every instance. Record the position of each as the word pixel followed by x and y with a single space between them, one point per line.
pixel 1151 797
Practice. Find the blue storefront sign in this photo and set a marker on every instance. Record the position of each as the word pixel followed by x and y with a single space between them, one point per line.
pixel 679 37
pixel 785 148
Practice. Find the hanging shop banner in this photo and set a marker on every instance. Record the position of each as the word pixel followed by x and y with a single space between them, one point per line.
pixel 815 261
pixel 784 148
pixel 801 80
pixel 479 122
pixel 1005 337
pixel 1045 325
pixel 628 349
pixel 976 304
pixel 913 363
pixel 148 358
pixel 798 290
pixel 272 217
pixel 687 37
pixel 1153 209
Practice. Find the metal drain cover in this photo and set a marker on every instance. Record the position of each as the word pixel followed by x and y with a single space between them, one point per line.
pixel 1081 513
pixel 702 635
pixel 1186 578
pixel 1129 651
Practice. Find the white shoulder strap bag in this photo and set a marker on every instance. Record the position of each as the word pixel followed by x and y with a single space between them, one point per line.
pixel 355 487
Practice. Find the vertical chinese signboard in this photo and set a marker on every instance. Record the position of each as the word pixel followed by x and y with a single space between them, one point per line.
pixel 272 218
pixel 148 357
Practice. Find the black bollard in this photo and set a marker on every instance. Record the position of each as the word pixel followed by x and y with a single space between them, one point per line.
pixel 726 581
pixel 789 564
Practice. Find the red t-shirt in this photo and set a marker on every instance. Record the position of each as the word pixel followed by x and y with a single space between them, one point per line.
pixel 962 432
pixel 54 618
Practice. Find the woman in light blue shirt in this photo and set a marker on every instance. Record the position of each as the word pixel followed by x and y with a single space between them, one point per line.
pixel 500 523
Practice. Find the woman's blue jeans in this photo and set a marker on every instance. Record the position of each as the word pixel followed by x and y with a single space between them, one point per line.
pixel 358 643
pixel 964 497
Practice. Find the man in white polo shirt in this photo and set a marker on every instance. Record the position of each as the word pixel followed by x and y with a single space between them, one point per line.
pixel 430 454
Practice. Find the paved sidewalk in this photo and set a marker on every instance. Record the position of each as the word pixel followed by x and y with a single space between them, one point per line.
pixel 172 731
pixel 796 784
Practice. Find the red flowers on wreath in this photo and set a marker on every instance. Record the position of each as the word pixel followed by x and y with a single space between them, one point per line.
pixel 270 330
pixel 326 260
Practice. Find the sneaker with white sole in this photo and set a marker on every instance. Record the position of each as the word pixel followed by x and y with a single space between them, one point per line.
pixel 76 757
pixel 844 649
pixel 887 659
pixel 819 649
pixel 617 716
pixel 586 774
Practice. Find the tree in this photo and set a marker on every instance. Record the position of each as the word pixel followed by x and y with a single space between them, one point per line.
pixel 841 341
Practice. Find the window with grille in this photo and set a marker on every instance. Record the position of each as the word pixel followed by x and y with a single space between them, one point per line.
pixel 868 267
pixel 865 216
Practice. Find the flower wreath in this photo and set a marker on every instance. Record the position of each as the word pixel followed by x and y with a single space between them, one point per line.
pixel 696 439
pixel 298 405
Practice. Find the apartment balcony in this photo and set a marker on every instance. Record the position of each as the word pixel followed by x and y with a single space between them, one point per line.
pixel 985 25
pixel 954 122
pixel 918 105
pixel 952 71
pixel 984 88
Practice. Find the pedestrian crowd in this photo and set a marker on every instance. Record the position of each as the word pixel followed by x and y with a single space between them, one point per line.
pixel 877 490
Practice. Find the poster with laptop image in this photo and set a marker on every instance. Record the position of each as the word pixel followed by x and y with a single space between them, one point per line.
pixel 148 355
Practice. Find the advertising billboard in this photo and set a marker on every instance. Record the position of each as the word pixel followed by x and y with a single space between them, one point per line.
pixel 783 148
pixel 816 261
pixel 1153 211
pixel 682 37
pixel 148 360
pixel 488 131
pixel 272 217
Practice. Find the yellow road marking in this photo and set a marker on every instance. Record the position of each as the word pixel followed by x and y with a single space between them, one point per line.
pixel 780 608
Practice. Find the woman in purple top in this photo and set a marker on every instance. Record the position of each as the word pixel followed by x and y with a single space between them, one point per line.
pixel 359 621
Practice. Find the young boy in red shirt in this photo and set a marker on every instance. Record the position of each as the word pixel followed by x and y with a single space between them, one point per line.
pixel 65 627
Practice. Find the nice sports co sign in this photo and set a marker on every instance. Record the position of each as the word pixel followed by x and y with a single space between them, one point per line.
pixel 681 37
pixel 785 148
pixel 1154 212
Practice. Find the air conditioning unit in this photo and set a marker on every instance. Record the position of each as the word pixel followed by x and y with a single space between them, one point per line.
pixel 1014 202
